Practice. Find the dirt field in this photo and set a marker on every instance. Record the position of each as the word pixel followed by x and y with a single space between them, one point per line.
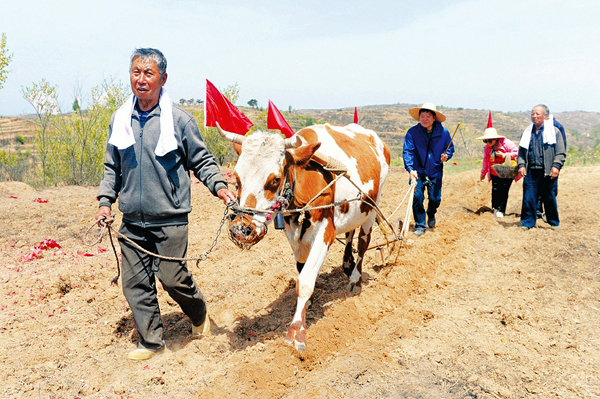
pixel 475 308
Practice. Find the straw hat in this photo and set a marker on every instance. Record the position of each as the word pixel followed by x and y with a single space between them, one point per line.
pixel 414 112
pixel 490 133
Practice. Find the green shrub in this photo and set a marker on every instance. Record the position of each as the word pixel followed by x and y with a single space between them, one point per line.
pixel 16 166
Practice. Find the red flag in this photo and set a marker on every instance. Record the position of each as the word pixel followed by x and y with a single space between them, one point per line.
pixel 219 109
pixel 276 121
pixel 355 116
pixel 489 120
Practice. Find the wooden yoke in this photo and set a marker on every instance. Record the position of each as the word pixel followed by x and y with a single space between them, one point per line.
pixel 330 164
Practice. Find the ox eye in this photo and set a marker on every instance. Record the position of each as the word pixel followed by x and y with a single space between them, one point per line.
pixel 275 182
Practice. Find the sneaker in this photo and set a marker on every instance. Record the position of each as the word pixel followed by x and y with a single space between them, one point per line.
pixel 419 232
pixel 202 329
pixel 555 227
pixel 544 217
pixel 498 214
pixel 431 222
pixel 524 228
pixel 144 353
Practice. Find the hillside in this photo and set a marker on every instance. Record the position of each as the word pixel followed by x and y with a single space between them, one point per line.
pixel 16 133
pixel 390 121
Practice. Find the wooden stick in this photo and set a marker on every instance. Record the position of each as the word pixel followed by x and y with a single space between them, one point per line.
pixel 382 243
pixel 452 138
pixel 402 233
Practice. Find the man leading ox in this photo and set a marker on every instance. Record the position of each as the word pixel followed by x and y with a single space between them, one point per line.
pixel 152 147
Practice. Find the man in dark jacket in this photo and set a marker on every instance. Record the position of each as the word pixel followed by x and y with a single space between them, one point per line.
pixel 427 146
pixel 153 145
pixel 541 156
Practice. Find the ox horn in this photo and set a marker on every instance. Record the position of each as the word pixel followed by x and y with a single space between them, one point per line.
pixel 234 138
pixel 292 142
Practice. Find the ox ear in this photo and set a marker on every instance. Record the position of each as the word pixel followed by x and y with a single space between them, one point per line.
pixel 237 148
pixel 301 155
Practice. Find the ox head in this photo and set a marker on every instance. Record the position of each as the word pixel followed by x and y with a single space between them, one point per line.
pixel 260 176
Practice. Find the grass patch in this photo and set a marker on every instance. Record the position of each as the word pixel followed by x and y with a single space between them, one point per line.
pixel 455 165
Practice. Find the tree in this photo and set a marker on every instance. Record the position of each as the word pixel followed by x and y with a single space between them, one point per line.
pixel 232 92
pixel 77 104
pixel 252 103
pixel 71 147
pixel 42 96
pixel 81 152
pixel 5 59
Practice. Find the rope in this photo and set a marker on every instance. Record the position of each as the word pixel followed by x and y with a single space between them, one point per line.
pixel 306 208
pixel 106 225
pixel 249 210
pixel 331 183
pixel 410 189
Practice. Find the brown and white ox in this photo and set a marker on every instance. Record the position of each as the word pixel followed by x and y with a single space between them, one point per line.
pixel 266 161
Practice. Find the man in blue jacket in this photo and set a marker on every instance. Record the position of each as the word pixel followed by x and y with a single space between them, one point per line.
pixel 152 147
pixel 427 146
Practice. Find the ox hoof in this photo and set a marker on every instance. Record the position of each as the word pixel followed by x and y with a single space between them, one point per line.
pixel 300 346
pixel 353 288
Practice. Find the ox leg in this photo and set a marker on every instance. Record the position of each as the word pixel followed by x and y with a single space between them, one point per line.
pixel 348 264
pixel 304 290
pixel 364 238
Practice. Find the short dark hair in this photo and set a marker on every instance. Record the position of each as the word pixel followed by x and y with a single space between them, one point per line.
pixel 427 110
pixel 150 54
pixel 545 107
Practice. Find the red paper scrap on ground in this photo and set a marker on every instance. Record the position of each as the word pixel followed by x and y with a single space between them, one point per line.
pixel 36 252
pixel 13 196
pixel 41 201
pixel 49 243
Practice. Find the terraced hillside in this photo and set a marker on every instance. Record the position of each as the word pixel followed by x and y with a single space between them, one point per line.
pixel 16 133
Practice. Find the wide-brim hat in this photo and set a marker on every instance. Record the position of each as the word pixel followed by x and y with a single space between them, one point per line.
pixel 414 112
pixel 490 134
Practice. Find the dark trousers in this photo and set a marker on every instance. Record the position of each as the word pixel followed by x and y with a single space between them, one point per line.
pixel 534 184
pixel 434 192
pixel 500 188
pixel 139 283
pixel 540 205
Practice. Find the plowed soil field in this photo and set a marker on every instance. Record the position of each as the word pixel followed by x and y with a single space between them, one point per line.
pixel 475 308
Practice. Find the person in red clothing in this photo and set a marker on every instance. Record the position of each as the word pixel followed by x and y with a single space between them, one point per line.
pixel 497 150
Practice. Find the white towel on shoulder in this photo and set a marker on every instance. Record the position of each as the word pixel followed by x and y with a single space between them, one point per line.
pixel 122 135
pixel 549 135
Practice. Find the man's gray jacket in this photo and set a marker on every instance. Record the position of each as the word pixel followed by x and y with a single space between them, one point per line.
pixel 153 190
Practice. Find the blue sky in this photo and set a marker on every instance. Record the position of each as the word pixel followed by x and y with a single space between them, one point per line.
pixel 499 55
